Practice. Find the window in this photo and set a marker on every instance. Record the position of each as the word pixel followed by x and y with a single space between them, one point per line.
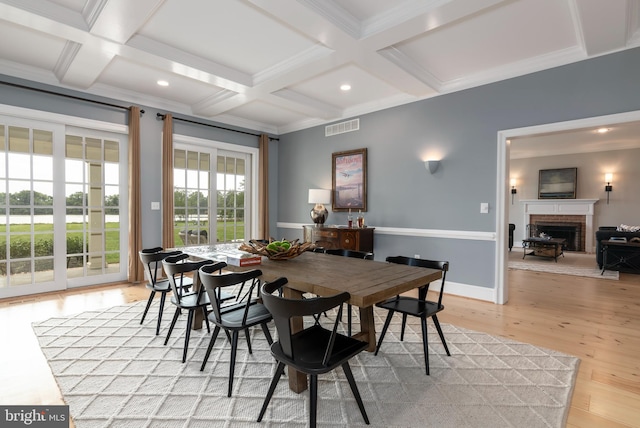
pixel 213 192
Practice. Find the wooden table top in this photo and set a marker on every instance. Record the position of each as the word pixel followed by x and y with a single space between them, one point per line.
pixel 368 281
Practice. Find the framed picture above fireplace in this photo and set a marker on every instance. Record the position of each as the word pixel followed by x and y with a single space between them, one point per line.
pixel 557 183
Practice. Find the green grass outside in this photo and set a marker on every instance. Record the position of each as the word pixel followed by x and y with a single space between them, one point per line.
pixel 74 230
pixel 112 235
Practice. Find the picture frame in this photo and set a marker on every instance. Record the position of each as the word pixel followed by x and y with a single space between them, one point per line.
pixel 349 180
pixel 557 183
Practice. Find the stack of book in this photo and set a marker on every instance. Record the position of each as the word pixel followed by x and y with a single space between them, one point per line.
pixel 235 257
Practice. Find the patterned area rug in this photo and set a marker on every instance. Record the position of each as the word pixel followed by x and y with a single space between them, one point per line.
pixel 549 266
pixel 114 372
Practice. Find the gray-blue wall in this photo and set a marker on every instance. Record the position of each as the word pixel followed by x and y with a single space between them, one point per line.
pixel 463 126
pixel 402 195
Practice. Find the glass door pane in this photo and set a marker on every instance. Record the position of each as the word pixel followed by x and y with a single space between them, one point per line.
pixel 230 186
pixel 191 195
pixel 92 190
pixel 26 209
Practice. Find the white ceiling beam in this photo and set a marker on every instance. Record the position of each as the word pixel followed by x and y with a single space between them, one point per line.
pixel 118 20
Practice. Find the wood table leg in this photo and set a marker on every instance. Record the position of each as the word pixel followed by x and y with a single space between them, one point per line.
pixel 198 317
pixel 297 380
pixel 368 328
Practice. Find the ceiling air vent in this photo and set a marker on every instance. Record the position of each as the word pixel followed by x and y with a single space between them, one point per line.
pixel 342 127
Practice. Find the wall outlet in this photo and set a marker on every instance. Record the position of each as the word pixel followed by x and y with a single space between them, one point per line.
pixel 484 207
pixel 416 256
pixel 155 206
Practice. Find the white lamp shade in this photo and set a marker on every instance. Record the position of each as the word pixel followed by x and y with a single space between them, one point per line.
pixel 319 196
pixel 608 177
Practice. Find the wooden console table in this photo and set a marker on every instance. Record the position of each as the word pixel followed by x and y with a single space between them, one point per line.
pixel 335 237
pixel 544 247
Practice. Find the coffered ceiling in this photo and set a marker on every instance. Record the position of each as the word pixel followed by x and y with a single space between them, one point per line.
pixel 277 65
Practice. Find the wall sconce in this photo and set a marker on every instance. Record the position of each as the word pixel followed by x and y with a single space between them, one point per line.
pixel 432 165
pixel 513 189
pixel 608 177
pixel 319 197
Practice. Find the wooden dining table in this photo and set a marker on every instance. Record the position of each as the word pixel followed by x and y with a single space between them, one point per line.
pixel 368 282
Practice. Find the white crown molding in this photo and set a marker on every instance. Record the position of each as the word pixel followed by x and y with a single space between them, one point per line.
pixel 408 65
pixel 65 59
pixel 309 106
pixel 91 11
pixel 211 101
pixel 400 13
pixel 314 53
pixel 301 124
pixel 336 15
pixel 244 123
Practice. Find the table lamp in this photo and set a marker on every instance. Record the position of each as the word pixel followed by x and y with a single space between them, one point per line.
pixel 319 197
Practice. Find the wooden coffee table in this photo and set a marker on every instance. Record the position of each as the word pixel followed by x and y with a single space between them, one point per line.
pixel 544 247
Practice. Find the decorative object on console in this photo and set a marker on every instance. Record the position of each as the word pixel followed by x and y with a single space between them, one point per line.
pixel 319 197
pixel 557 183
pixel 360 219
pixel 608 177
pixel 349 180
pixel 513 189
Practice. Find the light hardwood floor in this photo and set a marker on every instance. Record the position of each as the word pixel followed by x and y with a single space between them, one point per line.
pixel 596 320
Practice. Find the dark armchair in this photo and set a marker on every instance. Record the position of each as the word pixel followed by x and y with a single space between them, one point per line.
pixel 512 227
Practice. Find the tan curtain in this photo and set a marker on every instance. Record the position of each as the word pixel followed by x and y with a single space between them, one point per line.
pixel 135 273
pixel 168 240
pixel 263 188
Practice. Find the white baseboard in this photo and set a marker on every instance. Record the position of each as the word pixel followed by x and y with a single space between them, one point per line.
pixel 471 291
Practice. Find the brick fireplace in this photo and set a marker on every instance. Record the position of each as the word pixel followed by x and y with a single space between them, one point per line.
pixel 570 227
pixel 571 219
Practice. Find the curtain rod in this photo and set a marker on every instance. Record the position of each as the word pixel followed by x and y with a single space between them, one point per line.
pixel 162 116
pixel 45 91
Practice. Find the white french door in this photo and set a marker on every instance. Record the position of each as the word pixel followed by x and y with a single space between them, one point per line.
pixel 61 210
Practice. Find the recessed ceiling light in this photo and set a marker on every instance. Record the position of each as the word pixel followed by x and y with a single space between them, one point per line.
pixel 603 130
pixel 163 83
pixel 345 87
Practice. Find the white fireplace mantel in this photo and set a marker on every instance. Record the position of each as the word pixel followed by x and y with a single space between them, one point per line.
pixel 583 207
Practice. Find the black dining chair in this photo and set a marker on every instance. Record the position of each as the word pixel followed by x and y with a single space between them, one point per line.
pixel 151 259
pixel 354 254
pixel 176 267
pixel 417 307
pixel 315 350
pixel 246 312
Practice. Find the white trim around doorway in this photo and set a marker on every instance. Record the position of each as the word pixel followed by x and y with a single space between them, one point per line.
pixel 502 182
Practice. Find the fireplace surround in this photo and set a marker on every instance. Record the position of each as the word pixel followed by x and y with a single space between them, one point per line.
pixel 562 214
